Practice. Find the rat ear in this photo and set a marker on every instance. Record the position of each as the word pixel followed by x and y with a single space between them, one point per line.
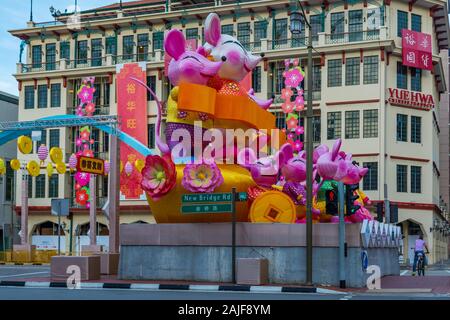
pixel 175 43
pixel 246 157
pixel 213 30
pixel 201 50
pixel 286 152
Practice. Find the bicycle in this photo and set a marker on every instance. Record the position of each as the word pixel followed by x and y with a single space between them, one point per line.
pixel 420 264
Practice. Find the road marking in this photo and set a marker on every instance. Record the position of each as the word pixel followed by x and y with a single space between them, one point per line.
pixel 261 289
pixel 23 274
pixel 404 272
pixel 145 286
pixel 35 284
pixel 346 298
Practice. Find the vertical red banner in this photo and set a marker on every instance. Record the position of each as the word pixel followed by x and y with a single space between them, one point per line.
pixel 132 111
pixel 417 49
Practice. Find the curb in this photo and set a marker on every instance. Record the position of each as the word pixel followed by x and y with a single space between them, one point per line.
pixel 154 286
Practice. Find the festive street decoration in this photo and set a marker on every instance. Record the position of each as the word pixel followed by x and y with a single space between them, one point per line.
pixel 49 169
pixel 42 153
pixel 61 168
pixel 72 162
pixel 33 168
pixel 2 167
pixel 204 177
pixel 15 164
pixel 56 155
pixel 25 144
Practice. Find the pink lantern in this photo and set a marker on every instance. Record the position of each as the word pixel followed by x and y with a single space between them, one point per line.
pixel 82 178
pixel 128 168
pixel 42 152
pixel 73 162
pixel 107 167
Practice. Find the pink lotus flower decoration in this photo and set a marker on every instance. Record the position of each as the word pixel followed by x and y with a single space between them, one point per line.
pixel 286 94
pixel 293 78
pixel 158 176
pixel 292 123
pixel 287 107
pixel 204 177
pixel 86 94
pixel 82 178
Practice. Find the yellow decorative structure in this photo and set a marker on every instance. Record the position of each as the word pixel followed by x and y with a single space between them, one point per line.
pixel 273 206
pixel 2 166
pixel 139 164
pixel 56 155
pixel 61 167
pixel 15 164
pixel 49 169
pixel 33 168
pixel 24 144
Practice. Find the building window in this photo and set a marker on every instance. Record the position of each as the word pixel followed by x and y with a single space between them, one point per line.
pixel 228 29
pixel 105 142
pixel 96 52
pixel 192 33
pixel 111 46
pixel 280 120
pixel 402 72
pixel 256 79
pixel 402 178
pixel 352 71
pixel 416 22
pixel 375 18
pixel 43 139
pixel 278 80
pixel 64 50
pixel 128 47
pixel 316 128
pixel 9 181
pixel 416 179
pixel 29 97
pixel 151 135
pixel 370 180
pixel 151 83
pixel 335 73
pixel 42 96
pixel 243 34
pixel 54 138
pixel 416 79
pixel 370 123
pixel 55 95
pixel 30 186
pixel 416 129
pixel 317 78
pixel 36 56
pixel 260 28
pixel 50 53
pixel 82 52
pixel 402 127
pixel 142 47
pixel 158 40
pixel 337 25
pixel 334 125
pixel 317 25
pixel 280 32
pixel 402 22
pixel 370 70
pixel 355 25
pixel 53 186
pixel 39 191
pixel 351 124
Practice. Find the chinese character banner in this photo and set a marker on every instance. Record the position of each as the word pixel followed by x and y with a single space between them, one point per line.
pixel 417 49
pixel 132 111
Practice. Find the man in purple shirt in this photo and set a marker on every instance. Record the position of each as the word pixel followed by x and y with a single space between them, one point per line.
pixel 419 248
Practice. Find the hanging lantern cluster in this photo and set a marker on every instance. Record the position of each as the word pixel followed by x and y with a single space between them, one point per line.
pixel 293 101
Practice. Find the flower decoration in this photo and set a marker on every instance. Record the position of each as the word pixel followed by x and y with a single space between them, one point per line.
pixel 158 176
pixel 182 114
pixel 203 116
pixel 293 78
pixel 299 101
pixel 82 178
pixel 286 94
pixel 299 130
pixel 292 121
pixel 90 108
pixel 81 197
pixel 298 145
pixel 88 153
pixel 203 177
pixel 287 107
pixel 86 94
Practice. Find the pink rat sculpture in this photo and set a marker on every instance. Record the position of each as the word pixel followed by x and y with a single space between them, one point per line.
pixel 328 162
pixel 238 62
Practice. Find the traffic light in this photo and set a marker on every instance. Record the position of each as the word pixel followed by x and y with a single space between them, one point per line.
pixel 379 212
pixel 331 198
pixel 350 197
pixel 393 213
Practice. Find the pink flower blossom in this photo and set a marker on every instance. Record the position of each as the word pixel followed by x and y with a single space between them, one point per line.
pixel 204 177
pixel 287 107
pixel 286 94
pixel 293 78
pixel 292 123
pixel 299 130
pixel 298 145
pixel 86 94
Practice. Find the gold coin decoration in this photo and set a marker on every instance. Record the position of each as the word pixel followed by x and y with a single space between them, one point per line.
pixel 49 169
pixel 139 164
pixel 2 166
pixel 25 144
pixel 33 168
pixel 15 164
pixel 56 155
pixel 273 207
pixel 61 167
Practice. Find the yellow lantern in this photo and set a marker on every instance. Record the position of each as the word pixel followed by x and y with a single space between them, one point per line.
pixel 2 167
pixel 139 164
pixel 33 168
pixel 25 144
pixel 56 155
pixel 49 169
pixel 15 164
pixel 61 167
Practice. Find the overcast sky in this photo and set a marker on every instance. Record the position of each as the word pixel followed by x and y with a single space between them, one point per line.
pixel 14 15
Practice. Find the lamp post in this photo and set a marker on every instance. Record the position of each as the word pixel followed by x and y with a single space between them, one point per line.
pixel 296 28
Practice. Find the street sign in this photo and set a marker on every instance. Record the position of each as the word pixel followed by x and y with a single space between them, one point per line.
pixel 91 165
pixel 60 207
pixel 212 197
pixel 207 208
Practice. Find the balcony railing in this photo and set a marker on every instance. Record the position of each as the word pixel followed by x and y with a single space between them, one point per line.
pixel 252 46
pixel 86 63
pixel 348 37
pixel 37 67
pixel 99 110
pixel 300 42
pixel 277 100
pixel 127 58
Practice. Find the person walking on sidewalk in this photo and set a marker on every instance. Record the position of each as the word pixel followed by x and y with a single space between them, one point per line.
pixel 419 248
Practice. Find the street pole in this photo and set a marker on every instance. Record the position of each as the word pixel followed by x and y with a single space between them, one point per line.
pixel 113 194
pixel 341 235
pixel 93 211
pixel 24 209
pixel 309 164
pixel 233 235
pixel 59 232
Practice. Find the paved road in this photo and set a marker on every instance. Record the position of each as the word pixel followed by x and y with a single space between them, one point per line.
pixel 427 272
pixel 10 293
pixel 16 272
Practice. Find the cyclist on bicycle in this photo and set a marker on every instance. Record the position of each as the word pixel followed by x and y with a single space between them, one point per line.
pixel 419 249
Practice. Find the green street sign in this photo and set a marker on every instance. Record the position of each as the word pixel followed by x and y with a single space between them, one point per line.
pixel 206 197
pixel 242 196
pixel 207 208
